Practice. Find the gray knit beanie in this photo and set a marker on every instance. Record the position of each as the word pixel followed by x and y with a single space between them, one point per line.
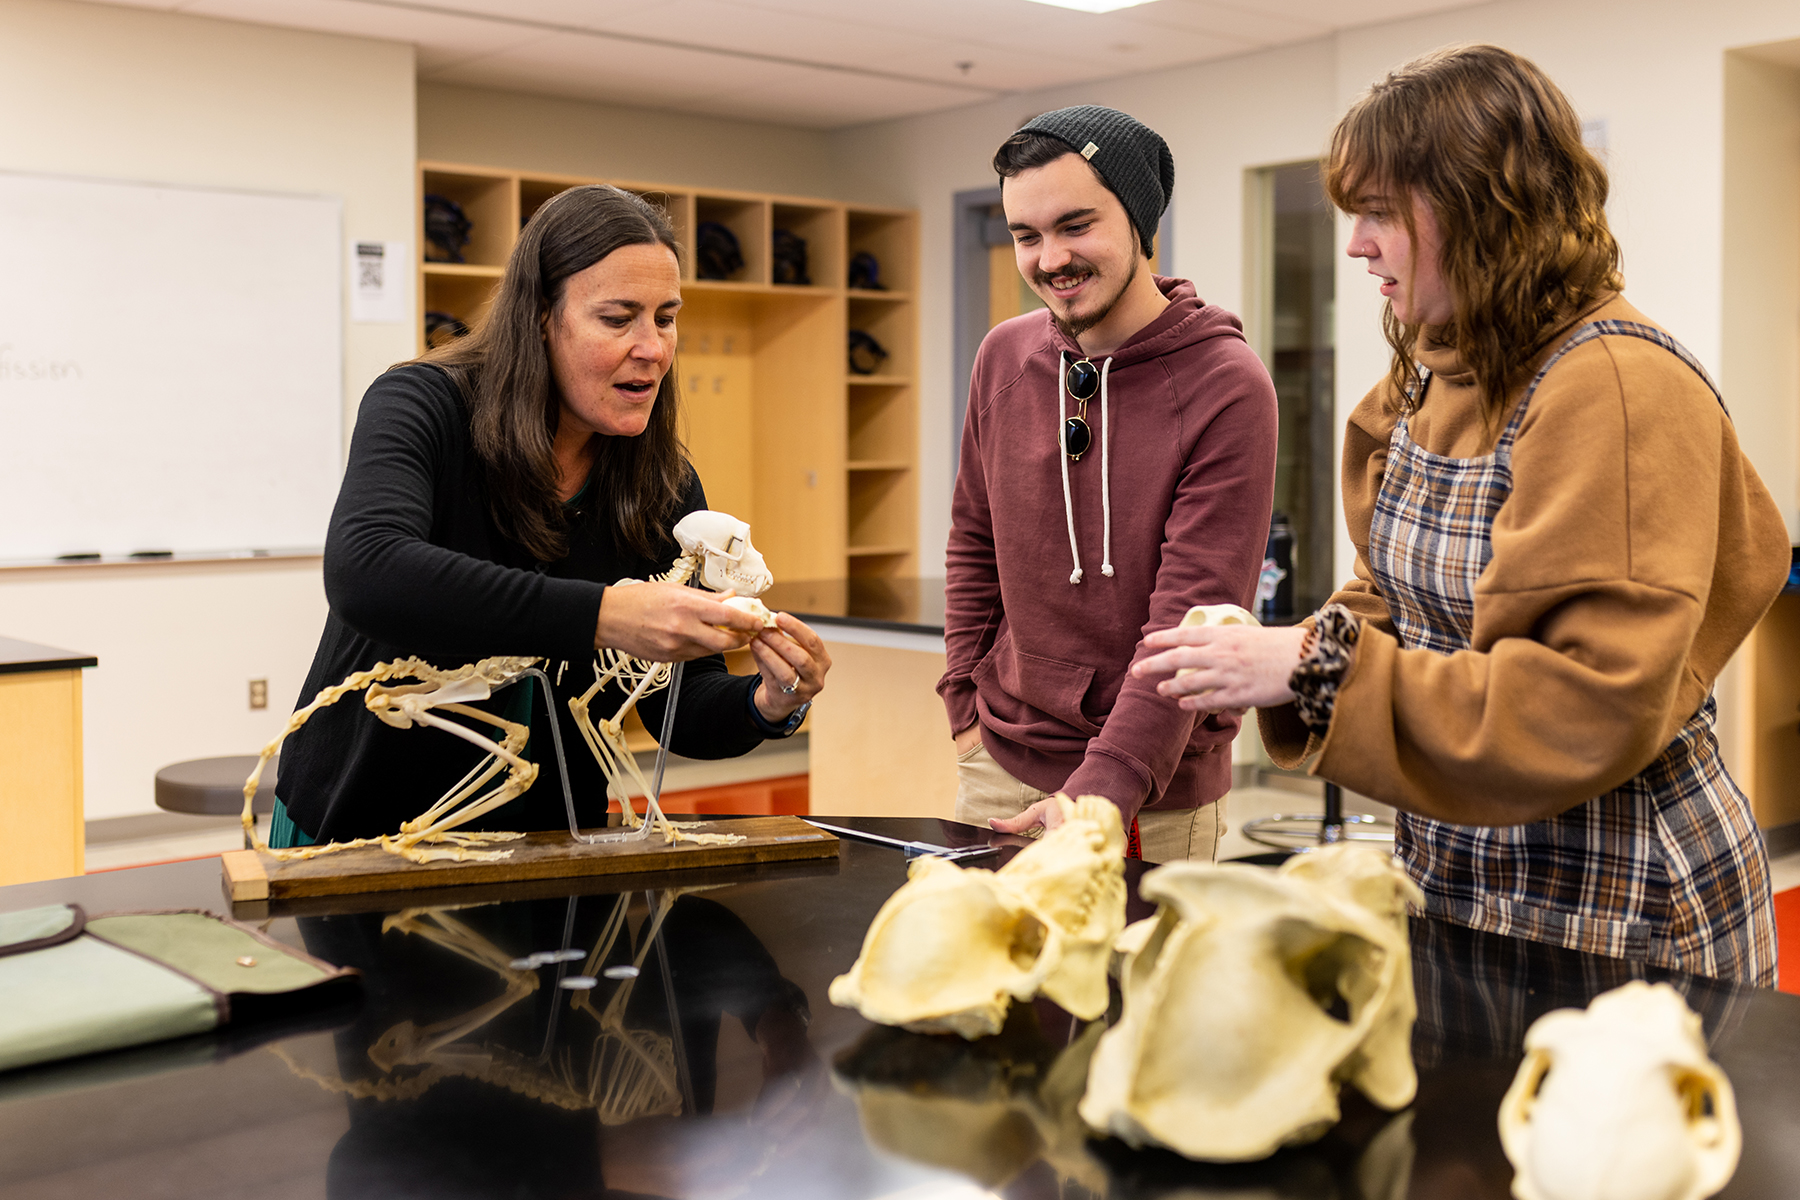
pixel 1131 157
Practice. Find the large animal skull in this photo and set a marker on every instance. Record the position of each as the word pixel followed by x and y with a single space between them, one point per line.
pixel 722 543
pixel 1250 996
pixel 953 948
pixel 1620 1102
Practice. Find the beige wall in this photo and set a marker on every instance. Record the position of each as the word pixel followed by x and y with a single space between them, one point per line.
pixel 572 137
pixel 117 93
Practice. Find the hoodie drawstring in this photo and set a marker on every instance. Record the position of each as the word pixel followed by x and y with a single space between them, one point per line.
pixel 1106 567
pixel 1062 414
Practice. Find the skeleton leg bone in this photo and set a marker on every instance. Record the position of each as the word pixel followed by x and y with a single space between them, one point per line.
pixel 607 742
pixel 403 707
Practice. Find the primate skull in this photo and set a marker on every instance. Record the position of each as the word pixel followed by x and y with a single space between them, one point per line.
pixel 953 948
pixel 1214 614
pixel 1218 614
pixel 1620 1102
pixel 727 559
pixel 1250 996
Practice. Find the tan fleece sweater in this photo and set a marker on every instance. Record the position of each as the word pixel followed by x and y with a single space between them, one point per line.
pixel 1637 550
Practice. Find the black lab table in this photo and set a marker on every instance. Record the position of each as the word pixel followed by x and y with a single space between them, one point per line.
pixel 707 1060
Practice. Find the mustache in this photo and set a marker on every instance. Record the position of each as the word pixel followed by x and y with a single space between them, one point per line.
pixel 1075 266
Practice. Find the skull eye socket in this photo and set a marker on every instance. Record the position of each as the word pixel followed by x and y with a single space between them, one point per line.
pixel 1027 942
pixel 1338 970
pixel 1540 1071
pixel 1696 1092
pixel 734 546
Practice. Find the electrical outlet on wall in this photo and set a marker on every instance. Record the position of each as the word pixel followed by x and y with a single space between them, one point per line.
pixel 259 693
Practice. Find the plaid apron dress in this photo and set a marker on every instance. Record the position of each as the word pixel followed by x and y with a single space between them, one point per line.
pixel 1668 869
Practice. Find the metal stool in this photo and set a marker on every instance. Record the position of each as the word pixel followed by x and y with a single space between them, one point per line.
pixel 1303 831
pixel 214 787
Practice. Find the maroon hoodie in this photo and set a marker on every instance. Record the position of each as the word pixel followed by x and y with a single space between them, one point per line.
pixel 1042 662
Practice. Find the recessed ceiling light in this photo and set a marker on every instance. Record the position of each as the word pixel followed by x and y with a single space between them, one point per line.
pixel 1094 6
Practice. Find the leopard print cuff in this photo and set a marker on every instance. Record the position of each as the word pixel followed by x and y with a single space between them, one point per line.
pixel 1323 665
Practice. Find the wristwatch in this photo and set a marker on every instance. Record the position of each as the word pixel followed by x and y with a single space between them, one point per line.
pixel 769 728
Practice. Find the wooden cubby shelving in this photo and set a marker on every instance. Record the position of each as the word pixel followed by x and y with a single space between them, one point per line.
pixel 822 462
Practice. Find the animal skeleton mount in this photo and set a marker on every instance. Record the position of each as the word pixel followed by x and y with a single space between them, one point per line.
pixel 1620 1102
pixel 715 547
pixel 1250 996
pixel 715 552
pixel 432 835
pixel 953 948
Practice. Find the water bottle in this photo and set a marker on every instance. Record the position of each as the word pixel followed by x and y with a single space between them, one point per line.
pixel 1275 586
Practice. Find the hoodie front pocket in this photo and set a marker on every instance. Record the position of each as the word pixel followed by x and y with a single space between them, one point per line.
pixel 1028 693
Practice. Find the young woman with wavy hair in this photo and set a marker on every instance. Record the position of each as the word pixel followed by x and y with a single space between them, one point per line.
pixel 495 488
pixel 1559 545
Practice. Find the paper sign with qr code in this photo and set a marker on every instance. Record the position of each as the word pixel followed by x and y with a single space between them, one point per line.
pixel 378 272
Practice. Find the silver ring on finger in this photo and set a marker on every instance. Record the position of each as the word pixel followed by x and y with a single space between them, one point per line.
pixel 787 689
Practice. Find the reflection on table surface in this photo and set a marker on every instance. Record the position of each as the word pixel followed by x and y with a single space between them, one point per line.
pixel 706 1062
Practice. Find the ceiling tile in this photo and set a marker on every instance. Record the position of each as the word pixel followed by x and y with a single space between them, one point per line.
pixel 817 63
pixel 1010 24
pixel 821 100
pixel 574 14
pixel 739 27
pixel 440 39
pixel 1345 14
pixel 1129 49
pixel 603 69
pixel 990 67
pixel 1223 17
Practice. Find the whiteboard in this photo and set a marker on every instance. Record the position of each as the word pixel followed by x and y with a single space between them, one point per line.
pixel 171 368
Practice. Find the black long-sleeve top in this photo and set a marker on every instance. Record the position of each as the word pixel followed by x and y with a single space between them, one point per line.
pixel 414 565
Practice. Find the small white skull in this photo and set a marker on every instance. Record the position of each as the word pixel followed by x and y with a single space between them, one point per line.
pixel 722 543
pixel 1250 996
pixel 1620 1102
pixel 952 949
pixel 1214 614
pixel 1218 614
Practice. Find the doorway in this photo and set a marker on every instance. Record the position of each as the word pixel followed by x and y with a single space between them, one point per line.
pixel 1288 318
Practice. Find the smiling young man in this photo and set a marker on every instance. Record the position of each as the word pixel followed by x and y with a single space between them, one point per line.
pixel 1129 428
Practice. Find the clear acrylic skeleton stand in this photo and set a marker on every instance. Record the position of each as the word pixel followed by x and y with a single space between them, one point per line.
pixel 653 809
pixel 653 813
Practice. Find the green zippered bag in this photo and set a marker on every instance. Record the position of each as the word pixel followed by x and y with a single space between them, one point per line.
pixel 70 984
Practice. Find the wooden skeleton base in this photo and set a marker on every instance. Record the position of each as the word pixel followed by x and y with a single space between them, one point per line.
pixel 433 834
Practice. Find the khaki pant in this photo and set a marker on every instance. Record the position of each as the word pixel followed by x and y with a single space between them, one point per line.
pixel 984 789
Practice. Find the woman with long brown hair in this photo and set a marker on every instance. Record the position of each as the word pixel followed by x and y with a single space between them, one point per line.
pixel 1559 545
pixel 495 488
